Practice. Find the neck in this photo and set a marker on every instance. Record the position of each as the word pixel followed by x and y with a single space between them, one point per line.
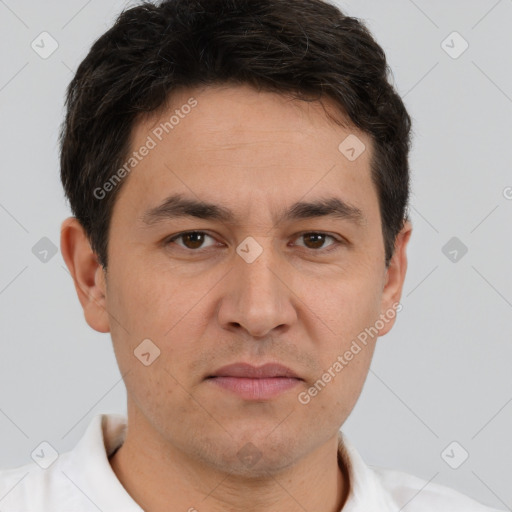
pixel 178 482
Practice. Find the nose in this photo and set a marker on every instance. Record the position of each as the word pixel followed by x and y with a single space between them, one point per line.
pixel 258 297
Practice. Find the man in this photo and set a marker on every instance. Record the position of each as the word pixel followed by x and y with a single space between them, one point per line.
pixel 238 175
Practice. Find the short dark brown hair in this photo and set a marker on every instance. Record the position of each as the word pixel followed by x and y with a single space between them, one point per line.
pixel 305 48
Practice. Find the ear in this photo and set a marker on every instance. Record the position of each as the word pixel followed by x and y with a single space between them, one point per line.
pixel 88 275
pixel 394 279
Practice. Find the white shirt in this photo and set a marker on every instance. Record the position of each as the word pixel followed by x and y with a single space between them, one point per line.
pixel 82 480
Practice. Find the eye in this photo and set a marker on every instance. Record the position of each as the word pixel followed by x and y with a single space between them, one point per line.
pixel 191 239
pixel 194 241
pixel 315 240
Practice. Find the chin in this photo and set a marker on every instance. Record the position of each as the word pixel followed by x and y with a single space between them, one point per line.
pixel 258 453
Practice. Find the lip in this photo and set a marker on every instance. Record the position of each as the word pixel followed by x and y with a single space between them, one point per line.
pixel 249 371
pixel 255 383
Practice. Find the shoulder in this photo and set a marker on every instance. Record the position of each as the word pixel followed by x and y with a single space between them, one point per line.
pixel 424 496
pixel 378 489
pixel 29 486
pixel 20 485
pixel 78 479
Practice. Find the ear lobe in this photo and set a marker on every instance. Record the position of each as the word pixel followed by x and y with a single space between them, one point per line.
pixel 395 277
pixel 88 275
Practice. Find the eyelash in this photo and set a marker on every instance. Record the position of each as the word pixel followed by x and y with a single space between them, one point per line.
pixel 333 247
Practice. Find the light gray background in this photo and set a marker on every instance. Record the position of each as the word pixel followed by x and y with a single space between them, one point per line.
pixel 441 375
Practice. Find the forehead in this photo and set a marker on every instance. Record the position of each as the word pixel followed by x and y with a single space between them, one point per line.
pixel 228 116
pixel 236 143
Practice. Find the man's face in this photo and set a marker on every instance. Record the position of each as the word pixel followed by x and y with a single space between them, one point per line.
pixel 318 282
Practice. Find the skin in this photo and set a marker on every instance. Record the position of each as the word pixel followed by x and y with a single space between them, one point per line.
pixel 296 304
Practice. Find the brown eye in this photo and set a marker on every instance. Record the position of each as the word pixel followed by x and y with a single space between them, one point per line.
pixel 191 239
pixel 316 241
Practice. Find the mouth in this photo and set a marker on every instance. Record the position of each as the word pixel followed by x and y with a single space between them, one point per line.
pixel 255 383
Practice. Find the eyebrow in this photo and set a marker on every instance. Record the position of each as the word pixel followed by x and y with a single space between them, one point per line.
pixel 177 206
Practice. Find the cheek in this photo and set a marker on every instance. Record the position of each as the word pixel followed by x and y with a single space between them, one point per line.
pixel 145 303
pixel 347 305
pixel 329 402
pixel 347 309
pixel 163 396
pixel 148 301
pixel 332 393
